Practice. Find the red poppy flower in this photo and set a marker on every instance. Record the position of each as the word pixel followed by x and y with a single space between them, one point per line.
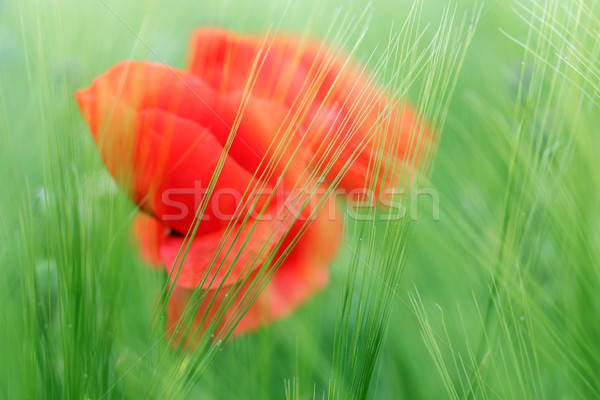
pixel 338 107
pixel 302 114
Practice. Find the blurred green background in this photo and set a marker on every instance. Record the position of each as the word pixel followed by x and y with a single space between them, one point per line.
pixel 498 298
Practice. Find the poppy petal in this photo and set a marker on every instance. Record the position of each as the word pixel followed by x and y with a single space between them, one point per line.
pixel 343 107
pixel 303 273
pixel 165 140
pixel 149 233
pixel 226 256
pixel 226 60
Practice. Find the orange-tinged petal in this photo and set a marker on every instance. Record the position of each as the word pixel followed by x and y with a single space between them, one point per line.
pixel 149 233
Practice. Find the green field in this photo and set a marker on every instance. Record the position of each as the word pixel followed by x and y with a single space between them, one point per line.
pixel 491 290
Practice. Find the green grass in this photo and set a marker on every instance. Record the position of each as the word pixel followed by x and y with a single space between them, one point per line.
pixel 495 299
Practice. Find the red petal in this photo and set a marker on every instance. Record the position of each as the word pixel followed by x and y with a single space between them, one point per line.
pixel 163 141
pixel 226 60
pixel 222 59
pixel 357 117
pixel 303 273
pixel 225 258
pixel 193 154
